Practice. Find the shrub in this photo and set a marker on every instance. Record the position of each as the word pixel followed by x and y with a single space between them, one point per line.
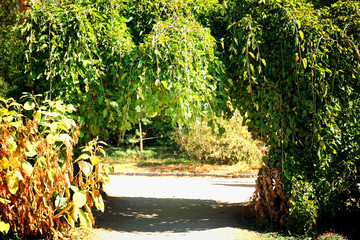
pixel 331 236
pixel 233 146
pixel 39 194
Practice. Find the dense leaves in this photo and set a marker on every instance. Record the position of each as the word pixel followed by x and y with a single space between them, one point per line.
pixel 177 67
pixel 295 74
pixel 73 52
pixel 143 15
pixel 229 143
pixel 11 50
pixel 292 70
pixel 85 57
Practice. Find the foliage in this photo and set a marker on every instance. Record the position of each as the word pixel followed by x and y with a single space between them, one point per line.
pixel 40 194
pixel 331 236
pixel 234 144
pixel 294 71
pixel 73 52
pixel 82 53
pixel 175 72
pixel 162 128
pixel 143 15
pixel 277 236
pixel 11 47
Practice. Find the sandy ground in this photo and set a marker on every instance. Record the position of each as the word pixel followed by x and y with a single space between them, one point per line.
pixel 175 208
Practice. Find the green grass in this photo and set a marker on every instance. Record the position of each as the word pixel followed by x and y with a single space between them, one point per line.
pixel 166 158
pixel 154 155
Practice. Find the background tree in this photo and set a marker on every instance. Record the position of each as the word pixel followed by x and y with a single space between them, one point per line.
pixel 11 50
pixel 73 53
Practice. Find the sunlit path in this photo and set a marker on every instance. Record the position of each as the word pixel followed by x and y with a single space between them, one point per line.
pixel 174 208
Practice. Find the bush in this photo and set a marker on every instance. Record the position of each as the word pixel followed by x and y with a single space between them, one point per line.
pixel 40 196
pixel 233 146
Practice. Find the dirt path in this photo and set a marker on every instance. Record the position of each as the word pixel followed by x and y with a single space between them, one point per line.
pixel 174 208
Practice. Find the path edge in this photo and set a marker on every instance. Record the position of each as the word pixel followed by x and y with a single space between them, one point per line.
pixel 184 174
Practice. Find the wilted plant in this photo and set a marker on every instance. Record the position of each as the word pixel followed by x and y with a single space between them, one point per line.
pixel 39 194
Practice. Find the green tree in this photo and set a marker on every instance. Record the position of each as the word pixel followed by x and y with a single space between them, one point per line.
pixel 73 52
pixel 295 71
pixel 176 69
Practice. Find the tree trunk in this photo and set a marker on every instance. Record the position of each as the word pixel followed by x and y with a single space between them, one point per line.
pixel 141 137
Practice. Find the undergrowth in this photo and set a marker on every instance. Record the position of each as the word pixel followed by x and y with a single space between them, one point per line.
pixel 41 196
pixel 229 143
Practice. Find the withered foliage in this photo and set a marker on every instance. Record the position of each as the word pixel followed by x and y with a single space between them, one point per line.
pixel 39 194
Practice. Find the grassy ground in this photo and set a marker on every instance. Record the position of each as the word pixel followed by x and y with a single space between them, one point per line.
pixel 167 159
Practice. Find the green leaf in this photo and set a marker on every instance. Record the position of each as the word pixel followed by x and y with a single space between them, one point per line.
pixel 12 182
pixel 4 227
pixel 86 168
pixel 288 131
pixel 252 55
pixel 79 199
pixel 4 163
pixel 221 131
pixel 287 174
pixel 30 150
pixel 123 76
pixel 29 106
pixel 105 112
pixel 83 156
pixel 3 200
pixel 27 167
pixel 42 161
pixel 165 84
pixel 15 124
pixel 301 35
pixel 85 220
pixel 304 60
pixel 264 62
pixel 94 160
pixel 61 202
pixel 99 202
pixel 51 139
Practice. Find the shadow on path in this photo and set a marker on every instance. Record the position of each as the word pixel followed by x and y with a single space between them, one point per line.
pixel 139 214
